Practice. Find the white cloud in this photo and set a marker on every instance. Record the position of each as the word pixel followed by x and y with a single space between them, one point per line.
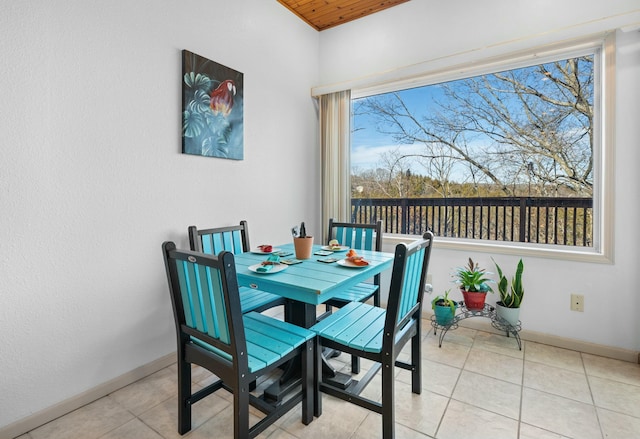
pixel 364 157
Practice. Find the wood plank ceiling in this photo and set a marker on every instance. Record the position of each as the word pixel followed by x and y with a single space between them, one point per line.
pixel 323 14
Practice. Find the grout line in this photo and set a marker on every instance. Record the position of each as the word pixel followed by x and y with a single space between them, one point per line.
pixel 593 400
pixel 524 356
pixel 460 370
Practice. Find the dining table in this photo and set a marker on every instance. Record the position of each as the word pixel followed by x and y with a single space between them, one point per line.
pixel 307 284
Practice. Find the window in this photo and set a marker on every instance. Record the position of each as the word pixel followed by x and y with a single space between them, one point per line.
pixel 509 155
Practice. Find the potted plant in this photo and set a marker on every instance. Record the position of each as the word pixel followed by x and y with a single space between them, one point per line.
pixel 508 308
pixel 473 282
pixel 444 309
pixel 302 244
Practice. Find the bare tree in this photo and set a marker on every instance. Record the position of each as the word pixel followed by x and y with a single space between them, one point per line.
pixel 528 125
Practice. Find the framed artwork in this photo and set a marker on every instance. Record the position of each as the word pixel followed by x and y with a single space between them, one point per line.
pixel 212 108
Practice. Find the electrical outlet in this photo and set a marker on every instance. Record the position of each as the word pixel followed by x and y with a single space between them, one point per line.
pixel 429 279
pixel 577 302
pixel 428 287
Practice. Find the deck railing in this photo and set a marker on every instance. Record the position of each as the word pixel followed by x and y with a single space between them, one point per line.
pixel 561 221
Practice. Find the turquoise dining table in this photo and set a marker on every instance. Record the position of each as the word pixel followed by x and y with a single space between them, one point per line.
pixel 311 281
pixel 307 285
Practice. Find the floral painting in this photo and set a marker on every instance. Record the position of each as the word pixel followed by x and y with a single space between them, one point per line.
pixel 212 108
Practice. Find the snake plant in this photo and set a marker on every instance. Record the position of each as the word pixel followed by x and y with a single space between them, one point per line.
pixel 511 295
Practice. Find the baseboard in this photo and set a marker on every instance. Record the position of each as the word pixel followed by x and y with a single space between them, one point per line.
pixel 553 340
pixel 62 408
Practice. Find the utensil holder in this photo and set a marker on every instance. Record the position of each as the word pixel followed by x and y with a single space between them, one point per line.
pixel 303 247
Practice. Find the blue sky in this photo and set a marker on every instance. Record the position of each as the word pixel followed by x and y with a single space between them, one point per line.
pixel 367 144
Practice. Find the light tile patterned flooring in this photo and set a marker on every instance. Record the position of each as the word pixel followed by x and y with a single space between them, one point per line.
pixel 477 386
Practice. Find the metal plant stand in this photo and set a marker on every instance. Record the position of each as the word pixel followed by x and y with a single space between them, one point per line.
pixel 488 312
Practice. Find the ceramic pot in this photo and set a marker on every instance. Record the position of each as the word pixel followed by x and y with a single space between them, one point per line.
pixel 474 300
pixel 444 314
pixel 510 315
pixel 303 247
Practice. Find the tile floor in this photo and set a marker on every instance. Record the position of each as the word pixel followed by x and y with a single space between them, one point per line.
pixel 478 385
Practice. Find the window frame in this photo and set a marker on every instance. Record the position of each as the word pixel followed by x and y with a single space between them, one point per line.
pixel 603 49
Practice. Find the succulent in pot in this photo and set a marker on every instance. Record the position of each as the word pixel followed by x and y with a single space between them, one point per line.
pixel 444 308
pixel 472 278
pixel 474 284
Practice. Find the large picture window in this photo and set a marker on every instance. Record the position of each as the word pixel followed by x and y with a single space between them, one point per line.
pixel 512 155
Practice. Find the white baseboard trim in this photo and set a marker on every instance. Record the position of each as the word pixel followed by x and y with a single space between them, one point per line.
pixel 553 340
pixel 35 420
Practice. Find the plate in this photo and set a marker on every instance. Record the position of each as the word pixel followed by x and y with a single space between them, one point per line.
pixel 346 263
pixel 260 252
pixel 275 269
pixel 342 248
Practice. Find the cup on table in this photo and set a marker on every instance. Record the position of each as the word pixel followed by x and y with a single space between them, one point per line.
pixel 303 247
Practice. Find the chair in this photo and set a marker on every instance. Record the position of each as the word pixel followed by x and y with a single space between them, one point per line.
pixel 359 237
pixel 379 335
pixel 213 332
pixel 234 239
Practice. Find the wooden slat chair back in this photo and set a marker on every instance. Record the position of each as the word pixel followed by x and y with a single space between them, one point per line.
pixel 379 335
pixel 230 240
pixel 213 332
pixel 234 239
pixel 359 237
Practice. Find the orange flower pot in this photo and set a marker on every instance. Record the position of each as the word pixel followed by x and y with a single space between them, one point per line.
pixel 474 300
pixel 303 247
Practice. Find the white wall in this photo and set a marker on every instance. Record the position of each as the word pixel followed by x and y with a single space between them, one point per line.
pixel 92 179
pixel 422 34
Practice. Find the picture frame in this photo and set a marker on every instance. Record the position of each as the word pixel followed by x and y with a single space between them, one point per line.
pixel 212 108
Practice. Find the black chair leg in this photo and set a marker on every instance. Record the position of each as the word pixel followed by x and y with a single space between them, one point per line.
pixel 416 350
pixel 308 385
pixel 184 394
pixel 241 414
pixel 317 370
pixel 388 411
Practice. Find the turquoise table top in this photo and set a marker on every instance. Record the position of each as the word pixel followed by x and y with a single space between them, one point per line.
pixel 310 281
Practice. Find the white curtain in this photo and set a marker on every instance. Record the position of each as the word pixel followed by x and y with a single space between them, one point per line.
pixel 334 141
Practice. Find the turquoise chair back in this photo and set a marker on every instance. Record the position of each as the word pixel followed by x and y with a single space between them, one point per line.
pixel 407 284
pixel 234 239
pixel 412 286
pixel 204 296
pixel 357 236
pixel 203 299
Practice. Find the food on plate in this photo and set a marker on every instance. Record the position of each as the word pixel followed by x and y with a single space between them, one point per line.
pixel 334 244
pixel 266 248
pixel 354 257
pixel 271 260
pixel 268 264
pixel 352 254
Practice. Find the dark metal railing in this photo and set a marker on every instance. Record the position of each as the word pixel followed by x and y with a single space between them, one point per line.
pixel 560 221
